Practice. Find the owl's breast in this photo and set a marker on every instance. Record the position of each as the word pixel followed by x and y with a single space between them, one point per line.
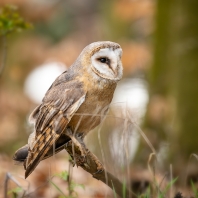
pixel 92 111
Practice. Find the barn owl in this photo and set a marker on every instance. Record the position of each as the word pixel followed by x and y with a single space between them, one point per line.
pixel 74 104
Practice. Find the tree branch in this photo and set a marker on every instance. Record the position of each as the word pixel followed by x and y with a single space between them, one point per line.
pixel 91 167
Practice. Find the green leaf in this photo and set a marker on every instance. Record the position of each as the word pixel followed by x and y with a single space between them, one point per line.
pixel 63 175
pixel 15 190
pixel 124 189
pixel 11 21
pixel 168 186
pixel 194 189
pixel 74 185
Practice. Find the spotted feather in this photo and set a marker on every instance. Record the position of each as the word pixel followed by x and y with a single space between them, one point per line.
pixel 52 120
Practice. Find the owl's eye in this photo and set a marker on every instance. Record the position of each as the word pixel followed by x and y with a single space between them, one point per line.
pixel 104 60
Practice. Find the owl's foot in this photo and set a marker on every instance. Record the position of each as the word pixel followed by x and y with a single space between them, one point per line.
pixel 78 155
pixel 78 142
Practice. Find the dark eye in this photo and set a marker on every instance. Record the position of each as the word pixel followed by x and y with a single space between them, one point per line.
pixel 104 60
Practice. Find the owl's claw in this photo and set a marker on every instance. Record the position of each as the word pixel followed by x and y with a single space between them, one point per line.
pixel 99 171
pixel 77 142
pixel 100 167
pixel 79 157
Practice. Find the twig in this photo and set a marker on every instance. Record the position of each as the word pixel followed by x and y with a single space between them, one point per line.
pixel 91 167
pixel 9 176
pixel 4 54
pixel 6 185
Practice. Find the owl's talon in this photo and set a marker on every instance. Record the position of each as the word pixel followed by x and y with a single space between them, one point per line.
pixel 99 171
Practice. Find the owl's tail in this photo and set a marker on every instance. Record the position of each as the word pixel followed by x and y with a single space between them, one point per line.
pixel 21 154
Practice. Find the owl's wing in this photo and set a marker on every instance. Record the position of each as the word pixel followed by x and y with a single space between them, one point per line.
pixel 51 119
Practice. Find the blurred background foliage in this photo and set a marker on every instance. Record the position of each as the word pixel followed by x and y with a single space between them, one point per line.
pixel 159 41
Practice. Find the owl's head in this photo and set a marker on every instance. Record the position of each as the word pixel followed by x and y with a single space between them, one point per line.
pixel 104 59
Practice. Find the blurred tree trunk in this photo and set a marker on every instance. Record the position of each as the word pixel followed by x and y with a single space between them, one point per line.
pixel 172 114
pixel 155 124
pixel 185 57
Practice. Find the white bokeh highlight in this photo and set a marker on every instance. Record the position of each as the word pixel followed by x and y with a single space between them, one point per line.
pixel 132 93
pixel 41 78
pixel 131 98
